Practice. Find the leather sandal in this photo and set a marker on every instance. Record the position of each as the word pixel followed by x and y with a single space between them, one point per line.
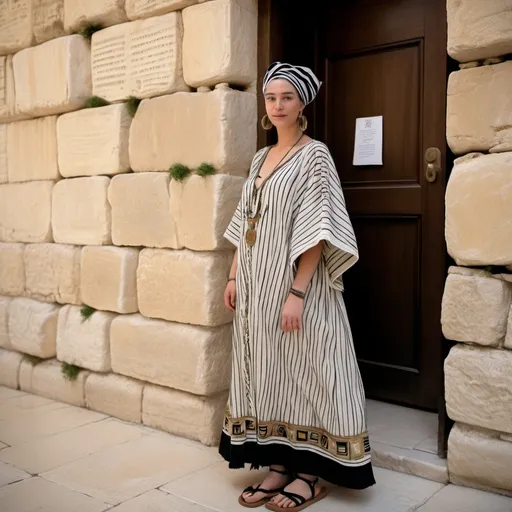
pixel 300 502
pixel 269 494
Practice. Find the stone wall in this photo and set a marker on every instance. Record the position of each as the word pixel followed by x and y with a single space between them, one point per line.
pixel 109 262
pixel 476 309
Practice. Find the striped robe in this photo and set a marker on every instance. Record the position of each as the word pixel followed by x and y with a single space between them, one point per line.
pixel 297 398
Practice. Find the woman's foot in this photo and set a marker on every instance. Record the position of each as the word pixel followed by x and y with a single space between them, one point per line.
pixel 299 487
pixel 277 478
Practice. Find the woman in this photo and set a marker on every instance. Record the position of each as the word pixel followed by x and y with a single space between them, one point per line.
pixel 296 401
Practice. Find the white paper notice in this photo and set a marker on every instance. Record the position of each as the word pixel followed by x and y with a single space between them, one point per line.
pixel 368 141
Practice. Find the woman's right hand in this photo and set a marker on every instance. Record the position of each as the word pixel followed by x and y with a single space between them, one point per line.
pixel 230 295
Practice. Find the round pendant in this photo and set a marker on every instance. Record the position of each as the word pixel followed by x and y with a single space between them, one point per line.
pixel 250 237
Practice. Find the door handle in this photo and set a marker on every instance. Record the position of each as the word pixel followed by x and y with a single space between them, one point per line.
pixel 432 164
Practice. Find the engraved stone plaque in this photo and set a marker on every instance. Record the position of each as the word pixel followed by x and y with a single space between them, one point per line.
pixel 48 18
pixel 15 25
pixel 144 8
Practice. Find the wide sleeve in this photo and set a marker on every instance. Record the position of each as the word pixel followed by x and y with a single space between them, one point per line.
pixel 234 230
pixel 320 214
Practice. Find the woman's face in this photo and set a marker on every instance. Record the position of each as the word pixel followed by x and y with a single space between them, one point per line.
pixel 282 103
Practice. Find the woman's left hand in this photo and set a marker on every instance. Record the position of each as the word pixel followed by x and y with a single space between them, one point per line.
pixel 291 318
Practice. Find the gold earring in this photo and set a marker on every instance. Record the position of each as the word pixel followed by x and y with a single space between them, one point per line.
pixel 303 122
pixel 266 122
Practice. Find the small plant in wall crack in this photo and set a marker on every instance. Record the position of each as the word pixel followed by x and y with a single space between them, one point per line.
pixel 179 172
pixel 70 371
pixel 86 312
pixel 132 104
pixel 88 30
pixel 96 101
pixel 206 170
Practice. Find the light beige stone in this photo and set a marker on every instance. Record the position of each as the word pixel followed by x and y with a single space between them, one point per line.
pixel 80 13
pixel 109 278
pixel 81 212
pixel 183 286
pixel 185 357
pixel 184 414
pixel 475 309
pixel 25 374
pixel 52 273
pixel 479 458
pixel 48 18
pixel 8 110
pixel 84 343
pixel 202 209
pixel 478 386
pixel 9 368
pixel 33 327
pixel 4 323
pixel 56 76
pixel 477 30
pixel 217 127
pixel 479 109
pixel 15 25
pixel 94 141
pixel 479 210
pixel 4 173
pixel 136 9
pixel 508 337
pixel 140 210
pixel 141 58
pixel 32 150
pixel 12 269
pixel 114 395
pixel 220 43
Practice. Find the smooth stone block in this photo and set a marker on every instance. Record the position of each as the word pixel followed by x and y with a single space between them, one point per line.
pixel 9 368
pixel 12 269
pixel 8 109
pixel 5 342
pixel 4 173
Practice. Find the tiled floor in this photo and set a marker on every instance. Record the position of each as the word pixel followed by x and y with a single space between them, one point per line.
pixel 58 458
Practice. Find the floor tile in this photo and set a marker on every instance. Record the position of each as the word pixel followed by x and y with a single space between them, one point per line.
pixel 51 452
pixel 158 501
pixel 24 404
pixel 429 445
pixel 119 473
pixel 10 474
pixel 3 445
pixel 7 393
pixel 461 499
pixel 38 495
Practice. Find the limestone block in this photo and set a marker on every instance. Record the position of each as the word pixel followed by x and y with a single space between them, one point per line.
pixel 136 9
pixel 79 13
pixel 52 273
pixel 84 343
pixel 25 374
pixel 478 386
pixel 185 357
pixel 141 58
pixel 479 209
pixel 56 76
pixel 33 327
pixel 94 141
pixel 48 16
pixel 4 175
pixel 218 127
pixel 477 30
pixel 202 209
pixel 478 458
pixel 220 43
pixel 140 210
pixel 8 110
pixel 15 25
pixel 508 337
pixel 9 368
pixel 32 150
pixel 479 109
pixel 4 323
pixel 183 414
pixel 81 212
pixel 183 286
pixel 475 307
pixel 109 278
pixel 12 269
pixel 114 395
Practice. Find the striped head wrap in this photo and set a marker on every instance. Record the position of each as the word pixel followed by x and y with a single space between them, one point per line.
pixel 302 78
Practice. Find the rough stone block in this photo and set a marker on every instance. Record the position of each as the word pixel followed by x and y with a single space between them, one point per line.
pixel 109 278
pixel 478 386
pixel 79 13
pixel 136 9
pixel 478 30
pixel 183 286
pixel 52 273
pixel 479 209
pixel 202 209
pixel 140 210
pixel 56 76
pixel 508 337
pixel 475 307
pixel 84 343
pixel 478 458
pixel 4 323
pixel 32 150
pixel 218 127
pixel 9 368
pixel 4 174
pixel 185 357
pixel 81 212
pixel 141 58
pixel 94 141
pixel 15 25
pixel 479 109
pixel 12 269
pixel 33 327
pixel 48 16
pixel 183 414
pixel 220 43
pixel 114 395
pixel 8 109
